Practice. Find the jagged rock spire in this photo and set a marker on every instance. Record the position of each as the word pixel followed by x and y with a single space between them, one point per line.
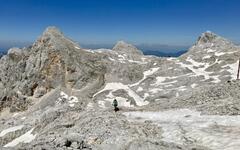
pixel 207 37
pixel 127 48
pixel 52 37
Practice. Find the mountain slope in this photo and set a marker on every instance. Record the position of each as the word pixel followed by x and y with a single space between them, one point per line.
pixel 59 95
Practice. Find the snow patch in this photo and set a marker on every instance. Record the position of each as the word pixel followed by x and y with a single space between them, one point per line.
pixel 117 86
pixel 206 130
pixel 219 53
pixel 145 75
pixel 146 95
pixel 89 50
pixel 198 68
pixel 111 59
pixel 177 94
pixel 139 89
pixel 70 99
pixel 101 104
pixel 138 62
pixel 224 53
pixel 193 85
pixel 207 56
pixel 77 47
pixel 160 81
pixel 15 114
pixel 171 58
pixel 209 50
pixel 155 90
pixel 12 129
pixel 233 70
pixel 25 138
pixel 89 106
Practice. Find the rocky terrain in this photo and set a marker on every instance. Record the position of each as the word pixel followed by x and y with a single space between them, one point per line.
pixel 57 95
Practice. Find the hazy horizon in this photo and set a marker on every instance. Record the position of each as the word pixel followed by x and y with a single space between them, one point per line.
pixel 159 24
pixel 142 46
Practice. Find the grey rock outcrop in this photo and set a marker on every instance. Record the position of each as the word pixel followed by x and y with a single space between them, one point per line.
pixel 126 48
pixel 53 38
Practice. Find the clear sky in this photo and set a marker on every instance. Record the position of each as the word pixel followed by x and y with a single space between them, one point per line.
pixel 170 22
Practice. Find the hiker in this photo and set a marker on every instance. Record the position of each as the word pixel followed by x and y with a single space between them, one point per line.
pixel 115 104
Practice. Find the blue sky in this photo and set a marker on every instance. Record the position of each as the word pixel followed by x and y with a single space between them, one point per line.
pixel 168 22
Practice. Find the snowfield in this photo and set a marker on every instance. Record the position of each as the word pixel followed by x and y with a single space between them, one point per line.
pixel 117 86
pixel 25 138
pixel 64 97
pixel 12 129
pixel 232 68
pixel 145 75
pixel 184 125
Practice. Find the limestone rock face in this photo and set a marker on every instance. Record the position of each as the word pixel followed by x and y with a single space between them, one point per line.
pixel 53 38
pixel 126 48
pixel 207 37
pixel 53 61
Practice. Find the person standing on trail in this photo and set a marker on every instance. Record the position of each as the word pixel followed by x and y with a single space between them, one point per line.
pixel 115 104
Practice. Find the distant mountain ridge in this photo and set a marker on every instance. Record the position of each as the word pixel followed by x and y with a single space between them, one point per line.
pixel 164 54
pixel 159 53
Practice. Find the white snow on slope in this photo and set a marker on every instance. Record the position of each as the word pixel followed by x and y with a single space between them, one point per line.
pixel 64 97
pixel 25 138
pixel 121 100
pixel 12 129
pixel 139 89
pixel 77 47
pixel 203 129
pixel 155 90
pixel 233 69
pixel 138 62
pixel 209 50
pixel 207 56
pixel 15 114
pixel 224 53
pixel 101 104
pixel 145 75
pixel 193 85
pixel 72 100
pixel 90 106
pixel 117 86
pixel 111 59
pixel 219 53
pixel 89 50
pixel 199 68
pixel 161 81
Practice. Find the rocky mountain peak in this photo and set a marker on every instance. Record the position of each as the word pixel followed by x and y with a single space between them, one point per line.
pixel 14 50
pixel 52 31
pixel 207 37
pixel 127 48
pixel 53 38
